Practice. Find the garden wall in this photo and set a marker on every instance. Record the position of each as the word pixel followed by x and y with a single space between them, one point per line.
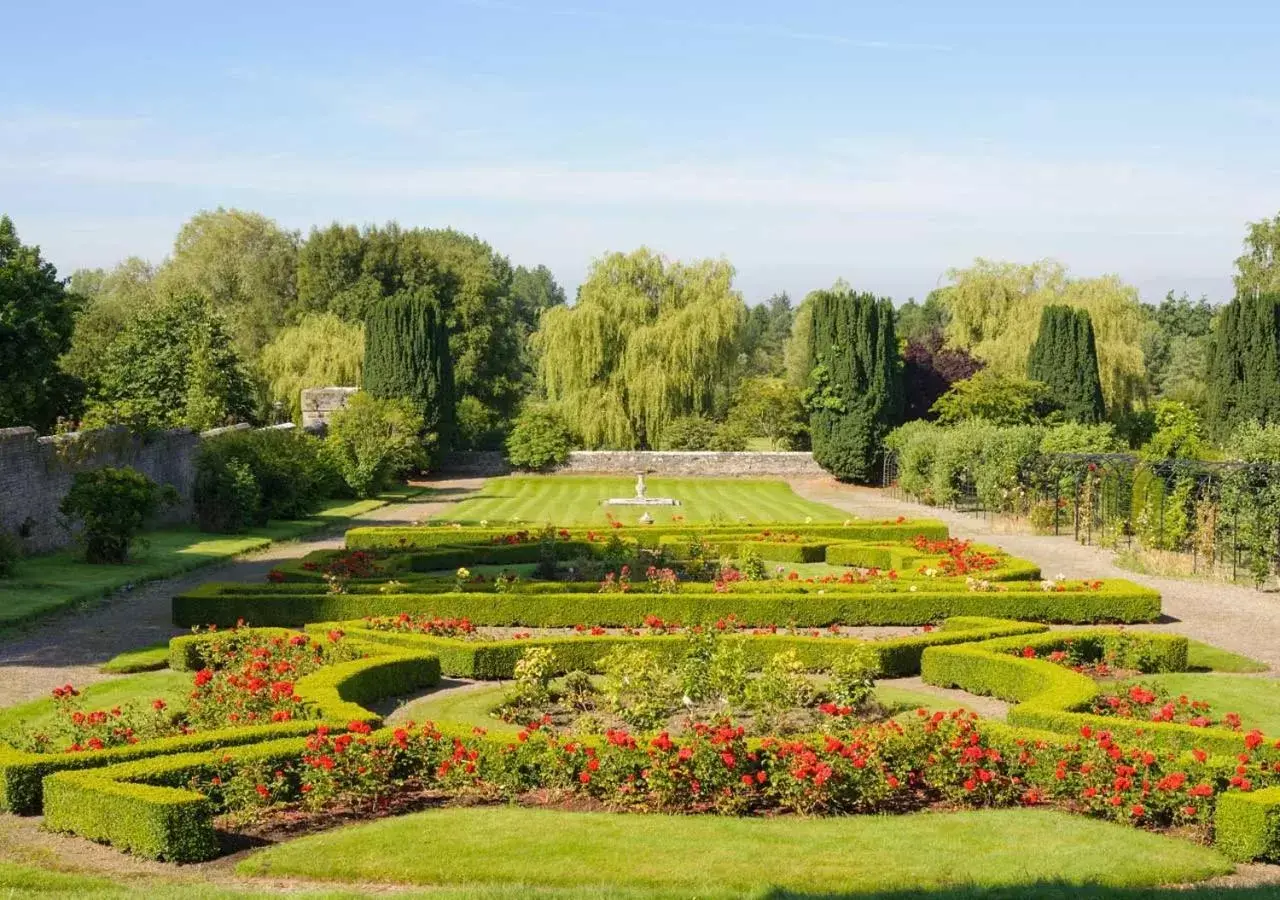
pixel 691 462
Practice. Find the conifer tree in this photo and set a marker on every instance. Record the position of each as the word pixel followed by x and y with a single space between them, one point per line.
pixel 406 356
pixel 1065 357
pixel 1244 364
pixel 855 390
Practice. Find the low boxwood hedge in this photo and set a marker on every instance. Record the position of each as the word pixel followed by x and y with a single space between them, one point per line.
pixel 1246 826
pixel 488 660
pixel 773 603
pixel 1051 697
pixel 336 692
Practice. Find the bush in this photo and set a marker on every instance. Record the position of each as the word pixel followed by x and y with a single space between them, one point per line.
pixel 113 506
pixel 688 433
pixel 250 477
pixel 226 494
pixel 731 437
pixel 478 426
pixel 995 398
pixel 10 553
pixel 538 440
pixel 374 441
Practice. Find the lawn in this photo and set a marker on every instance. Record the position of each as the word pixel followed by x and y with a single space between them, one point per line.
pixel 1204 657
pixel 732 857
pixel 43 584
pixel 574 500
pixel 172 687
pixel 1257 700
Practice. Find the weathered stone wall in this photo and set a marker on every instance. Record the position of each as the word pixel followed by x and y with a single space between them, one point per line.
pixel 476 462
pixel 319 404
pixel 36 472
pixel 692 462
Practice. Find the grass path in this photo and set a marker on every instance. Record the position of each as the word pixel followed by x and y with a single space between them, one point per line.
pixel 576 500
pixel 707 856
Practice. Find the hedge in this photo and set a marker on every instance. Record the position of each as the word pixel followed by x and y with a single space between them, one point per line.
pixel 1054 698
pixel 402 538
pixel 490 660
pixel 336 692
pixel 1246 826
pixel 819 605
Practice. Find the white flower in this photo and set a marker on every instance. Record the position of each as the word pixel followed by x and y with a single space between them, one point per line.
pixel 914 588
pixel 484 523
pixel 930 573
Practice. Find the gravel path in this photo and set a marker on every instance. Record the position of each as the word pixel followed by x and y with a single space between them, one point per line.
pixel 69 647
pixel 1235 618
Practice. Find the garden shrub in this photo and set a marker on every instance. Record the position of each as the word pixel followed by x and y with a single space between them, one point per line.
pixel 113 506
pixel 227 498
pixel 373 441
pixel 10 553
pixel 539 439
pixel 1246 826
pixel 688 433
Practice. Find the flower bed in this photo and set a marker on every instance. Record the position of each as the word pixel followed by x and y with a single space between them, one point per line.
pixel 164 808
pixel 329 693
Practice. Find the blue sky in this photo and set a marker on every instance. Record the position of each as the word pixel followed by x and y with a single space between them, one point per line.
pixel 883 143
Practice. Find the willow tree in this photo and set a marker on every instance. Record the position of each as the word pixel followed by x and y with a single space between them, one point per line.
pixel 995 310
pixel 647 341
pixel 322 350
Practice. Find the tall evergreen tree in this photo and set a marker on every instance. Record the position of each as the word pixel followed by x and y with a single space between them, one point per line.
pixel 855 393
pixel 1244 364
pixel 406 355
pixel 1065 357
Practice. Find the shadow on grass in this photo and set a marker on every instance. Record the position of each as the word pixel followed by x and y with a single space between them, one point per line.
pixel 1046 891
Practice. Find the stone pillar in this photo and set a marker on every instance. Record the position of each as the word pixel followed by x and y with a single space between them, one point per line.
pixel 319 404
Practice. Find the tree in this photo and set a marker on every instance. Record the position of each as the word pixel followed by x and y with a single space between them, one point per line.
pixel 771 408
pixel 995 314
pixel 1065 358
pixel 856 385
pixel 245 265
pixel 534 291
pixel 917 321
pixel 347 271
pixel 1258 269
pixel 995 398
pixel 764 337
pixel 928 371
pixel 407 357
pixel 539 439
pixel 109 301
pixel 797 356
pixel 321 350
pixel 36 320
pixel 647 341
pixel 373 441
pixel 1244 364
pixel 171 367
pixel 1175 347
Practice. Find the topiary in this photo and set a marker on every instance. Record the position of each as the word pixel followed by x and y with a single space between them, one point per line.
pixel 538 440
pixel 113 506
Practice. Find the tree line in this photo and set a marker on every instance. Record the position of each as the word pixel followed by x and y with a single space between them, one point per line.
pixel 652 353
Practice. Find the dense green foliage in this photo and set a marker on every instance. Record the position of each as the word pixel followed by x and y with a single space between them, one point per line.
pixel 112 506
pixel 855 391
pixel 647 341
pixel 407 357
pixel 1244 363
pixel 172 366
pixel 998 399
pixel 35 329
pixel 1065 359
pixel 373 441
pixel 539 439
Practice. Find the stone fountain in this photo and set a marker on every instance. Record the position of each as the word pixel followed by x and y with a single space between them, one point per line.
pixel 641 498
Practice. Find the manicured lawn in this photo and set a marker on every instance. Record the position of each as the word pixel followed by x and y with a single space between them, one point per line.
pixel 1257 700
pixel 576 500
pixel 709 856
pixel 1206 657
pixel 144 659
pixel 172 687
pixel 43 584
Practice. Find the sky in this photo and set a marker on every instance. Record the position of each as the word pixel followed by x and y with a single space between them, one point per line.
pixel 804 141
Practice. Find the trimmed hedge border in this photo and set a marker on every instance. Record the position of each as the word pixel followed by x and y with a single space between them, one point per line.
pixel 1053 698
pixel 1246 826
pixel 336 691
pixel 491 660
pixel 297 605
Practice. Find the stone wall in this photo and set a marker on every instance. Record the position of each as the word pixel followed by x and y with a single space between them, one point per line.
pixel 319 404
pixel 479 463
pixel 692 462
pixel 36 472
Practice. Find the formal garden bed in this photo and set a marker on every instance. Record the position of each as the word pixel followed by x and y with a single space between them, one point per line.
pixel 714 685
